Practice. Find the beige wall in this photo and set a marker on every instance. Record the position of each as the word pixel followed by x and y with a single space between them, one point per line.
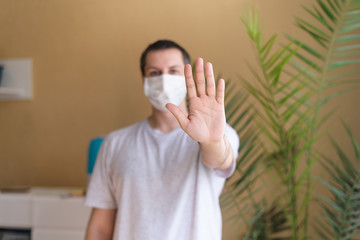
pixel 86 74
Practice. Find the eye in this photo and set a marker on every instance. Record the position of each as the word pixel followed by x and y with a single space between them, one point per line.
pixel 174 71
pixel 155 73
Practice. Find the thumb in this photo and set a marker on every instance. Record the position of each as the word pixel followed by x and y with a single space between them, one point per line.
pixel 178 114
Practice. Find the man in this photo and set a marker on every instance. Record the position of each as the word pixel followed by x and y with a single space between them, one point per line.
pixel 161 178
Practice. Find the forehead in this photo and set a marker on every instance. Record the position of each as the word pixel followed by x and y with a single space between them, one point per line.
pixel 164 58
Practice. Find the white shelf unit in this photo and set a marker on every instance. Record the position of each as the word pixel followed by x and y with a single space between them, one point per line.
pixel 49 213
pixel 17 76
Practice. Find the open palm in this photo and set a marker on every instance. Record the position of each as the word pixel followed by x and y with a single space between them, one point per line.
pixel 205 122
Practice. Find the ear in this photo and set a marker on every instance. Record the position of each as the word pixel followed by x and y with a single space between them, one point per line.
pixel 142 79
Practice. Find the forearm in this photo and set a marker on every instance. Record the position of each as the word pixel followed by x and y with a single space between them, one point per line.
pixel 217 155
pixel 97 234
pixel 101 225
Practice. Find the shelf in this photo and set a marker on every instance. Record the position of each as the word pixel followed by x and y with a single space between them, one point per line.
pixel 11 92
pixel 49 213
pixel 16 83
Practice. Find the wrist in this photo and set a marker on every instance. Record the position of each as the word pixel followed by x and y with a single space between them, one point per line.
pixel 217 154
pixel 221 143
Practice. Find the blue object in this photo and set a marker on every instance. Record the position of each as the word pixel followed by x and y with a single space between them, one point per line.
pixel 94 147
pixel 1 71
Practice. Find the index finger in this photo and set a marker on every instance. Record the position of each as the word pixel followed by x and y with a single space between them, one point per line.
pixel 190 84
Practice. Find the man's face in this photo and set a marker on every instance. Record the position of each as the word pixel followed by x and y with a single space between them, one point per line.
pixel 168 61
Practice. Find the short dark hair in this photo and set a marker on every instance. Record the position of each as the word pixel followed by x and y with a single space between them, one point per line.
pixel 162 45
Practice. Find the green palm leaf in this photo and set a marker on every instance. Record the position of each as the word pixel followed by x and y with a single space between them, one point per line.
pixel 341 218
pixel 336 32
pixel 267 224
pixel 280 117
pixel 278 144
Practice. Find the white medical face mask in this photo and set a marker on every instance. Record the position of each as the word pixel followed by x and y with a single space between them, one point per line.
pixel 165 89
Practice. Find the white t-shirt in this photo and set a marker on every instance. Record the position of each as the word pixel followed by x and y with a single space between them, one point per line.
pixel 158 184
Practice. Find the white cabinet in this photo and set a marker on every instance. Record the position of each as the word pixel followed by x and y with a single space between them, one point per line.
pixel 17 76
pixel 15 210
pixel 57 234
pixel 50 214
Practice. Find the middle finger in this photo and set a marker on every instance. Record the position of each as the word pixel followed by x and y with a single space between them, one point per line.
pixel 200 78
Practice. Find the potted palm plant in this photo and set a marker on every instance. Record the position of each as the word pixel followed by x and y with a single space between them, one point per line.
pixel 280 118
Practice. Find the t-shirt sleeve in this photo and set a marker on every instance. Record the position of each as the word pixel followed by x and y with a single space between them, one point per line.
pixel 234 141
pixel 99 193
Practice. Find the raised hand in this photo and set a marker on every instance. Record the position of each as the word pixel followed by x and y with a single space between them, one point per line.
pixel 205 122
